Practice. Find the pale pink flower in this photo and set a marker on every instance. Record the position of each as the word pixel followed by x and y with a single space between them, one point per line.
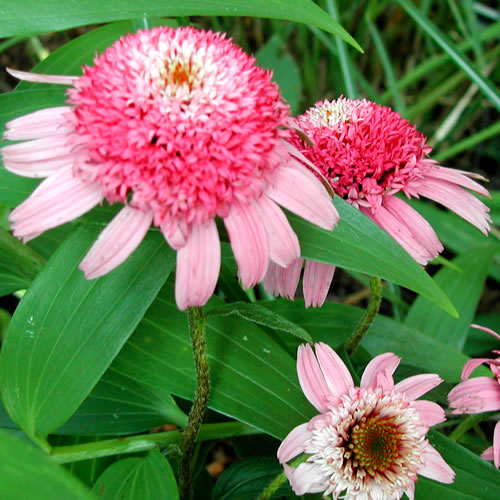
pixel 181 127
pixel 369 153
pixel 480 394
pixel 368 442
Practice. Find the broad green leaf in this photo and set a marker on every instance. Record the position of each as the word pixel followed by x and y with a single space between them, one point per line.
pixel 149 478
pixel 261 316
pixel 464 289
pixel 245 480
pixel 253 377
pixel 49 16
pixel 475 478
pixel 26 473
pixel 286 73
pixel 358 244
pixel 333 323
pixel 12 279
pixel 67 330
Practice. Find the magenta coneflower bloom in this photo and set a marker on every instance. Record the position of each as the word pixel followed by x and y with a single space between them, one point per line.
pixel 480 394
pixel 368 442
pixel 180 126
pixel 369 153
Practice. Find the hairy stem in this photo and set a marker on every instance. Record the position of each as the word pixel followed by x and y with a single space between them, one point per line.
pixel 197 330
pixel 365 322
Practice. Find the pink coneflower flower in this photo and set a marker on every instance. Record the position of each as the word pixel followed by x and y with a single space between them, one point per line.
pixel 181 127
pixel 368 442
pixel 480 394
pixel 368 153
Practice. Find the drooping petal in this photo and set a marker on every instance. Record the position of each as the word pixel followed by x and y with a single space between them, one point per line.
pixel 475 395
pixel 46 148
pixel 296 189
pixel 249 242
pixel 459 177
pixel 496 446
pixel 198 265
pixel 410 491
pixel 311 378
pixel 416 386
pixel 488 454
pixel 116 242
pixel 39 169
pixel 316 282
pixel 40 78
pixel 435 467
pixel 58 199
pixel 471 365
pixel 487 330
pixel 335 372
pixel 281 281
pixel 293 444
pixel 385 363
pixel 284 245
pixel 306 478
pixel 430 413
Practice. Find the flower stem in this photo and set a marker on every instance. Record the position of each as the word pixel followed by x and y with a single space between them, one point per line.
pixel 468 423
pixel 365 322
pixel 197 330
pixel 281 478
pixel 144 442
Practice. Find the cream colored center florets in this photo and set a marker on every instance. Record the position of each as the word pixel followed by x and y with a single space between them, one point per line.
pixel 339 111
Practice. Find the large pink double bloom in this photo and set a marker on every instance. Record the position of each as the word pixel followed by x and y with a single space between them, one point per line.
pixel 180 126
pixel 367 442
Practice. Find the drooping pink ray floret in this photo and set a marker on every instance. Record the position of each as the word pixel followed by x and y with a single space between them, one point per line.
pixel 368 442
pixel 480 394
pixel 181 126
pixel 369 153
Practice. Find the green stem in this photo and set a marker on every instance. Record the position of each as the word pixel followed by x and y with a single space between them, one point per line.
pixel 365 322
pixel 20 255
pixel 467 424
pixel 144 442
pixel 197 330
pixel 281 478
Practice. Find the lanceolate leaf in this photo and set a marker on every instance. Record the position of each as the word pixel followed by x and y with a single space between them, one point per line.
pixel 464 288
pixel 360 245
pixel 26 473
pixel 67 330
pixel 49 16
pixel 149 478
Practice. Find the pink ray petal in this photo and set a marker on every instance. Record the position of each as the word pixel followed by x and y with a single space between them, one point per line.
pixel 40 78
pixel 281 281
pixel 45 148
pixel 116 242
pixel 306 478
pixel 487 330
pixel 335 372
pixel 471 365
pixel 457 199
pixel 293 188
pixel 39 169
pixel 416 386
pixel 430 413
pixel 198 265
pixel 284 245
pixel 410 491
pixel 420 229
pixel 496 446
pixel 488 454
pixel 174 235
pixel 435 467
pixel 57 200
pixel 316 282
pixel 311 378
pixel 459 177
pixel 475 395
pixel 294 443
pixel 249 242
pixel 385 363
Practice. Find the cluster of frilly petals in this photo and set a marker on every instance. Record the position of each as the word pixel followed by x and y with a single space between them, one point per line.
pixel 181 126
pixel 368 442
pixel 369 153
pixel 480 394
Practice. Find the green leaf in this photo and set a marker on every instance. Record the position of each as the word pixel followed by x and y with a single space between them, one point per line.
pixel 464 289
pixel 26 473
pixel 261 316
pixel 49 16
pixel 246 479
pixel 358 244
pixel 149 478
pixel 67 330
pixel 286 73
pixel 475 478
pixel 12 279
